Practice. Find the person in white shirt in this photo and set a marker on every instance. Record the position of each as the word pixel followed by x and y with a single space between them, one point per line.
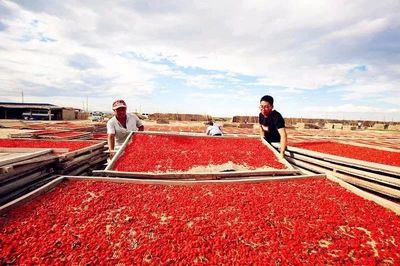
pixel 120 125
pixel 214 129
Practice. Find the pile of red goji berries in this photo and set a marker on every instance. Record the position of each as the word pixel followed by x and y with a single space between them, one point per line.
pixel 302 222
pixel 163 153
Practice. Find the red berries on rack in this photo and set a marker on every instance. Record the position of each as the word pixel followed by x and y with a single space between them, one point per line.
pixel 302 222
pixel 166 153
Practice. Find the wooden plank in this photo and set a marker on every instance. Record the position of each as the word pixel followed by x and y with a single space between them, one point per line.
pixel 195 182
pixel 60 150
pixel 14 168
pixel 28 197
pixel 22 135
pixel 348 161
pixel 25 157
pixel 11 156
pixel 22 170
pixel 55 137
pixel 25 189
pixel 72 154
pixel 277 154
pixel 369 185
pixel 360 173
pixel 211 175
pixel 307 166
pixel 11 186
pixel 79 170
pixel 39 159
pixel 78 159
pixel 119 153
pixel 85 167
pixel 366 184
pixel 392 170
pixel 20 150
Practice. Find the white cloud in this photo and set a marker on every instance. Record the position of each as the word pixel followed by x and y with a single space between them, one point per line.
pixel 299 46
pixel 360 29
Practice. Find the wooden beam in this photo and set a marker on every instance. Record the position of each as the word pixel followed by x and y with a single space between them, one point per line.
pixel 119 153
pixel 348 161
pixel 194 182
pixel 78 159
pixel 24 156
pixel 28 197
pixel 345 169
pixel 210 175
pixel 20 150
pixel 394 193
pixel 7 188
pixel 22 170
pixel 25 189
pixel 277 154
pixel 72 154
pixel 15 166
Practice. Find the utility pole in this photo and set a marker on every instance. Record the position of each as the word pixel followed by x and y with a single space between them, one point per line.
pixel 22 95
pixel 87 103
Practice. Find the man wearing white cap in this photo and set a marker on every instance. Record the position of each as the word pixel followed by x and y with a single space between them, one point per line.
pixel 120 125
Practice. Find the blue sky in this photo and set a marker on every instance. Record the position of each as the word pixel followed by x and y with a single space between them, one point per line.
pixel 319 59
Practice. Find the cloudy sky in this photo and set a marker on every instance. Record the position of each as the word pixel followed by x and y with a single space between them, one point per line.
pixel 329 59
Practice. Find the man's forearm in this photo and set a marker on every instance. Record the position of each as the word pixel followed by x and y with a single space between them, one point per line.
pixel 111 142
pixel 283 143
pixel 261 132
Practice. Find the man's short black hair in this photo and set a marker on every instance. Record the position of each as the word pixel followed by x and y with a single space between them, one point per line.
pixel 268 99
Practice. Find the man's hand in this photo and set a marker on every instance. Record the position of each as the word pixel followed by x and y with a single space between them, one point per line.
pixel 111 154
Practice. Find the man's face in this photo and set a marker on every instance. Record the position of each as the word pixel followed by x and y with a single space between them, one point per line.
pixel 121 112
pixel 266 108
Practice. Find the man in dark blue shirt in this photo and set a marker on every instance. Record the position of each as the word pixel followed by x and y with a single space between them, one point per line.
pixel 272 124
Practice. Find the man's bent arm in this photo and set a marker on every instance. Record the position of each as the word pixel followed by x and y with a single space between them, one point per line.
pixel 261 132
pixel 282 132
pixel 111 142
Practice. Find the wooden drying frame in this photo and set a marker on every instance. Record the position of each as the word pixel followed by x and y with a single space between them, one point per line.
pixel 389 169
pixel 52 184
pixel 201 175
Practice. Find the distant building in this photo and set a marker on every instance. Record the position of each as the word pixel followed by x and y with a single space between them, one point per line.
pixel 39 111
